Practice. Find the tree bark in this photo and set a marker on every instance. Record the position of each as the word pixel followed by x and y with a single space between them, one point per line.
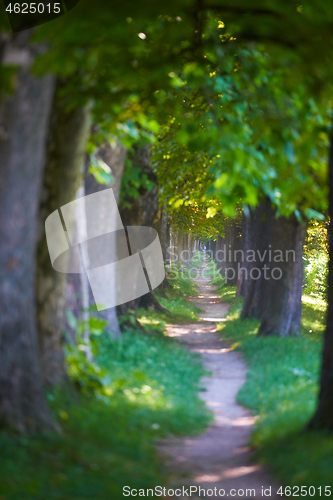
pixel 273 281
pixel 323 417
pixel 163 229
pixel 164 233
pixel 142 212
pixel 24 118
pixel 225 251
pixel 114 157
pixel 63 174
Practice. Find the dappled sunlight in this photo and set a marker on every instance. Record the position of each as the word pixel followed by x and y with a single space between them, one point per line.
pixel 316 301
pixel 212 319
pixel 228 474
pixel 203 350
pixel 222 420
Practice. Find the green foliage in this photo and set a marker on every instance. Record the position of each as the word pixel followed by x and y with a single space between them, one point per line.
pixel 180 309
pixel 282 387
pixel 82 368
pixel 179 276
pixel 108 442
pixel 174 299
pixel 315 258
pixel 218 281
pixel 120 58
pixel 100 170
pixel 133 181
pixel 256 124
pixel 316 274
pixel 184 179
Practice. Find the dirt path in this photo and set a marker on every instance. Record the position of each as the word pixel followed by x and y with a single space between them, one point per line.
pixel 220 458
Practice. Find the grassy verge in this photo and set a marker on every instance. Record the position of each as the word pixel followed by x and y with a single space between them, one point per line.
pixel 141 387
pixel 281 387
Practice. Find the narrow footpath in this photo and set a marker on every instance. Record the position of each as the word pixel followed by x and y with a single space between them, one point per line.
pixel 221 457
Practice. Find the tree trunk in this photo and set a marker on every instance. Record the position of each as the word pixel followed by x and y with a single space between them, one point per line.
pixel 274 275
pixel 114 157
pixel 24 118
pixel 63 174
pixel 142 212
pixel 226 251
pixel 245 244
pixel 255 238
pixel 323 418
pixel 233 246
pixel 164 234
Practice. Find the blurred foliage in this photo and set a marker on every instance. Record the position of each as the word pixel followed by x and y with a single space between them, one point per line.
pixel 100 170
pixel 316 258
pixel 316 274
pixel 261 131
pixel 236 112
pixel 133 182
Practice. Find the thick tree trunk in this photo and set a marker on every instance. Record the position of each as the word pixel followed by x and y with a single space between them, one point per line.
pixel 63 174
pixel 233 246
pixel 255 238
pixel 220 255
pixel 274 275
pixel 163 229
pixel 226 251
pixel 114 157
pixel 164 233
pixel 142 212
pixel 180 248
pixel 323 418
pixel 24 118
pixel 241 283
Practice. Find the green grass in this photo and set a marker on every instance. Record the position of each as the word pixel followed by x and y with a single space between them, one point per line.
pixel 282 387
pixel 174 300
pixel 181 310
pixel 108 438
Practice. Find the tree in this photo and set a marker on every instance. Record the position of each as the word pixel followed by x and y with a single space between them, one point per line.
pixel 254 132
pixel 306 35
pixel 273 270
pixel 63 174
pixel 139 207
pixel 114 157
pixel 24 116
